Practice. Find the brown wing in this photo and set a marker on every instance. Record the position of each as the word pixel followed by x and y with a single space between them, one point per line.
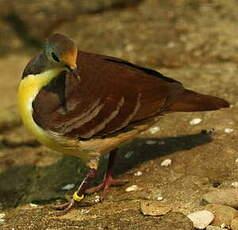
pixel 110 94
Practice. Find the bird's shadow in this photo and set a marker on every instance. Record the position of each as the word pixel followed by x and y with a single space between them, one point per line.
pixel 27 183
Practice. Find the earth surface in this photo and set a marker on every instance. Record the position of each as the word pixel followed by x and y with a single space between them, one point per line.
pixel 195 42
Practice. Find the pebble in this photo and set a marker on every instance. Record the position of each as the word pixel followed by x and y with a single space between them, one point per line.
pixel 97 199
pixel 201 219
pixel 210 227
pixel 160 198
pixel 132 188
pixel 228 196
pixel 68 187
pixel 223 225
pixel 153 208
pixel 228 130
pixel 236 160
pixel 234 184
pixel 195 121
pixel 138 173
pixel 33 205
pixel 223 214
pixel 154 130
pixel 84 211
pixel 128 154
pixel 2 215
pixel 151 142
pixel 166 163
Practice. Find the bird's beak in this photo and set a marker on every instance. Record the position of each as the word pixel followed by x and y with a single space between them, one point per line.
pixel 72 69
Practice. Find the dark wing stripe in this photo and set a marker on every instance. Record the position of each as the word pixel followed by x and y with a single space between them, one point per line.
pixel 104 122
pixel 81 119
pixel 110 110
pixel 128 111
pixel 131 116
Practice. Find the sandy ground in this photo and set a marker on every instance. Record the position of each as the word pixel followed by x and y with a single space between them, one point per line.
pixel 195 42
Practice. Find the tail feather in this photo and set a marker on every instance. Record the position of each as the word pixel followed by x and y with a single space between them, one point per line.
pixel 191 101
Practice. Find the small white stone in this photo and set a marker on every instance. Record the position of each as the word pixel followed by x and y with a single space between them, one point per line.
pixel 195 121
pixel 151 142
pixel 160 198
pixel 2 220
pixel 234 184
pixel 68 187
pixel 211 227
pixel 161 142
pixel 128 154
pixel 2 215
pixel 132 188
pixel 138 173
pixel 84 211
pixel 228 130
pixel 166 163
pixel 33 205
pixel 201 219
pixel 97 199
pixel 236 160
pixel 223 225
pixel 154 130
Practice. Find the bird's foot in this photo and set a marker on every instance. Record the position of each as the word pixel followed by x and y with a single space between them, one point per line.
pixel 109 181
pixel 66 207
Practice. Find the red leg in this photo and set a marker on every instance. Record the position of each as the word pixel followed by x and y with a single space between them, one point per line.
pixel 108 179
pixel 79 194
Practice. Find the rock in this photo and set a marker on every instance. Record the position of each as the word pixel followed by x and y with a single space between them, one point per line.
pixel 68 187
pixel 166 163
pixel 153 208
pixel 154 130
pixel 138 173
pixel 195 121
pixel 234 184
pixel 210 227
pixel 201 219
pixel 151 142
pixel 223 214
pixel 228 130
pixel 132 188
pixel 234 224
pixel 227 197
pixel 174 221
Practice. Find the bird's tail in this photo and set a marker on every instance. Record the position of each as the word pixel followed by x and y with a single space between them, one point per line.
pixel 191 101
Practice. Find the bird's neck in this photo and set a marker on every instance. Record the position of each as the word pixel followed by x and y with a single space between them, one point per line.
pixel 28 90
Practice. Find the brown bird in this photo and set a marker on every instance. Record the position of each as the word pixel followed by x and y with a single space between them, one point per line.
pixel 86 104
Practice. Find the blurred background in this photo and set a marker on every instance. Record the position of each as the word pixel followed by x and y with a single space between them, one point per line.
pixel 193 41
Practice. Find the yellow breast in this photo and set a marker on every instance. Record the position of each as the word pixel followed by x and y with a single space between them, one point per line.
pixel 28 89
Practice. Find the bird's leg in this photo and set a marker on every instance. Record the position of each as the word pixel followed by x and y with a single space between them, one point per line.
pixel 79 193
pixel 108 179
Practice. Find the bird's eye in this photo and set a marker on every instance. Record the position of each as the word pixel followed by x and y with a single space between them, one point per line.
pixel 55 58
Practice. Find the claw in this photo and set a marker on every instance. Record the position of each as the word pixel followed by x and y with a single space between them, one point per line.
pixel 110 181
pixel 66 207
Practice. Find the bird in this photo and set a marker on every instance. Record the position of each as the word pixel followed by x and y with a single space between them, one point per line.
pixel 88 105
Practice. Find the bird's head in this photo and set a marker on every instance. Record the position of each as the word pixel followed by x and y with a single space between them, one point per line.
pixel 61 51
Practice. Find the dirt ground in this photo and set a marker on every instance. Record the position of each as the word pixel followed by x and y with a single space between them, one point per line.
pixel 195 42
